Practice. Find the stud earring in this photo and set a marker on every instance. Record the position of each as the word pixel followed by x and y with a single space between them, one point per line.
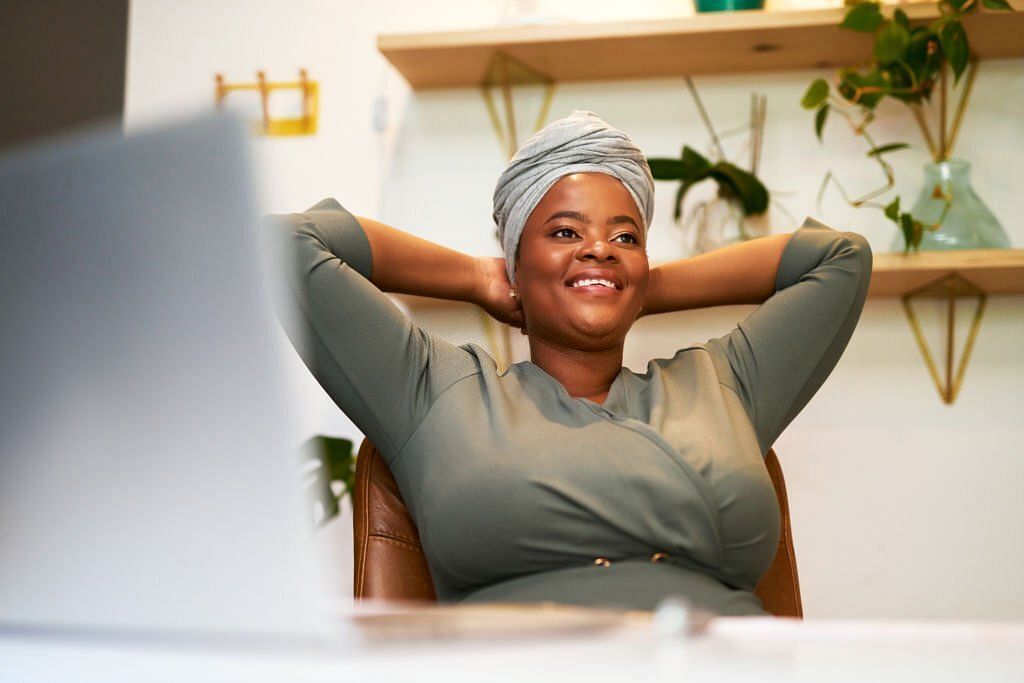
pixel 512 293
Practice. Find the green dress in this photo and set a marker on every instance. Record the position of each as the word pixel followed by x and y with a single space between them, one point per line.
pixel 522 493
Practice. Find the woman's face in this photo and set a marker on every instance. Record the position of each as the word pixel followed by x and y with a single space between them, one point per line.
pixel 587 226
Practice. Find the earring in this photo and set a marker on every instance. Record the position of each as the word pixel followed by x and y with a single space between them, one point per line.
pixel 512 293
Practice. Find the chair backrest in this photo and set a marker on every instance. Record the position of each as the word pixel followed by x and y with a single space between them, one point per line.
pixel 389 562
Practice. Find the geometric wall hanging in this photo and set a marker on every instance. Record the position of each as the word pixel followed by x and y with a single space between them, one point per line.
pixel 949 288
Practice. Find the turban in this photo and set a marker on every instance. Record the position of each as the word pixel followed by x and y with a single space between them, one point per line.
pixel 579 143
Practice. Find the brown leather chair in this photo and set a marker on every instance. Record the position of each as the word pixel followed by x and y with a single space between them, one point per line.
pixel 389 562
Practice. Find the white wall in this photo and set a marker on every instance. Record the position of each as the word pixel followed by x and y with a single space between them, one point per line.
pixel 902 506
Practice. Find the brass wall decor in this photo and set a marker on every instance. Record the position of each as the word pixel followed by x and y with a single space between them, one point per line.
pixel 505 72
pixel 306 124
pixel 949 288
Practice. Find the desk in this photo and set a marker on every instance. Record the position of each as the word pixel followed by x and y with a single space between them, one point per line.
pixel 732 649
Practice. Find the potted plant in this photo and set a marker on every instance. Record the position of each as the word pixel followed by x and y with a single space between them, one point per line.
pixel 739 191
pixel 913 64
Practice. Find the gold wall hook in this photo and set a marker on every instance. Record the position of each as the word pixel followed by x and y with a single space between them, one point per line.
pixel 949 288
pixel 309 91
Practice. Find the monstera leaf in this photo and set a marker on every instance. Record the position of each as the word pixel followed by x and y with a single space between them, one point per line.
pixel 330 469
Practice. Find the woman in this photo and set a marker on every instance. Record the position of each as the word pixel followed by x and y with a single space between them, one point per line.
pixel 568 477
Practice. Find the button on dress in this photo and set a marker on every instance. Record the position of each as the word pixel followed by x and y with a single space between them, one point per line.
pixel 522 493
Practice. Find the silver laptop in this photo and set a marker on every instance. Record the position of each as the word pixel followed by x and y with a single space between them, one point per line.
pixel 148 468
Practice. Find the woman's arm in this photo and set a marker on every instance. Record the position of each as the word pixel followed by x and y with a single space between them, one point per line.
pixel 380 368
pixel 778 357
pixel 743 273
pixel 406 264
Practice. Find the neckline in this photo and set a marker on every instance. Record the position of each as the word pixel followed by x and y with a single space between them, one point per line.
pixel 614 391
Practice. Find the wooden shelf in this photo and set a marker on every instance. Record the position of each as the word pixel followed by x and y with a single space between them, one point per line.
pixel 716 42
pixel 994 271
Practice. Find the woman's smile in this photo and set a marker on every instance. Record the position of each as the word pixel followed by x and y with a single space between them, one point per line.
pixel 598 282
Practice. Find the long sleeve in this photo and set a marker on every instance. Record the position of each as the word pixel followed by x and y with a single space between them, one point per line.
pixel 381 369
pixel 782 353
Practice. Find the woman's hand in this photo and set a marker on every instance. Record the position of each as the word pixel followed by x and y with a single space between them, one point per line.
pixel 492 292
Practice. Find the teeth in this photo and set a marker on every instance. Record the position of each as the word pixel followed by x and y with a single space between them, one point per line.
pixel 596 281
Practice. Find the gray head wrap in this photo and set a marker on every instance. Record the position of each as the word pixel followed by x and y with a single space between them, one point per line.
pixel 579 143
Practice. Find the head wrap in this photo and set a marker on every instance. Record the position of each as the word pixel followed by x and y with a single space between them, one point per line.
pixel 579 143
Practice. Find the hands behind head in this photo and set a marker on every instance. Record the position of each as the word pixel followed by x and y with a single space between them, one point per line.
pixel 493 293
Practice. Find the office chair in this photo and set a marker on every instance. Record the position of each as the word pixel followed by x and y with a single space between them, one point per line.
pixel 389 562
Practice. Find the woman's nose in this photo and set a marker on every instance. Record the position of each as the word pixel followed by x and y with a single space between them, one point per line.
pixel 598 249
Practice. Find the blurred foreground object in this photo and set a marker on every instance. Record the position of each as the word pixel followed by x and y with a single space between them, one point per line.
pixel 145 481
pixel 63 65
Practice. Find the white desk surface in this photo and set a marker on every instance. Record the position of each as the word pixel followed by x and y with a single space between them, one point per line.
pixel 731 649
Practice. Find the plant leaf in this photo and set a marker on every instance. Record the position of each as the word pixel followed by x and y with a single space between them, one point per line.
pixel 816 93
pixel 335 463
pixel 954 46
pixel 865 17
pixel 900 17
pixel 753 195
pixel 918 60
pixel 819 121
pixel 851 81
pixel 885 149
pixel 695 166
pixel 918 228
pixel 893 210
pixel 680 194
pixel 666 169
pixel 907 226
pixel 997 5
pixel 891 43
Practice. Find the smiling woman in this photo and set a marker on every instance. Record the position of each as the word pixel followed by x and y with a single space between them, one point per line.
pixel 568 477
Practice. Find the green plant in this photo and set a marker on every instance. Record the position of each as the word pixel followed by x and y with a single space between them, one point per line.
pixel 733 181
pixel 909 64
pixel 692 167
pixel 330 474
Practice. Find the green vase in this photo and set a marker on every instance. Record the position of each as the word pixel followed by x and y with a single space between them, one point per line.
pixel 968 225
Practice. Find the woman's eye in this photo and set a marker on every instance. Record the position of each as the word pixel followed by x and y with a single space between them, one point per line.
pixel 558 233
pixel 631 236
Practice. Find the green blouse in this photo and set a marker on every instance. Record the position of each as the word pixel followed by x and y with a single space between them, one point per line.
pixel 522 493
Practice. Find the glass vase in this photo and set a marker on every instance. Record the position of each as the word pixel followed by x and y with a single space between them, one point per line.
pixel 720 222
pixel 968 225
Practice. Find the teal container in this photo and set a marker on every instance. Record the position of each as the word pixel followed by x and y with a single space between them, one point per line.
pixel 727 5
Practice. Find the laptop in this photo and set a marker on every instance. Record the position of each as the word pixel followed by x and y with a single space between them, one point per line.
pixel 149 476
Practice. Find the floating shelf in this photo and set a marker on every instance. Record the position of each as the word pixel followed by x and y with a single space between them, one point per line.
pixel 994 271
pixel 716 42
